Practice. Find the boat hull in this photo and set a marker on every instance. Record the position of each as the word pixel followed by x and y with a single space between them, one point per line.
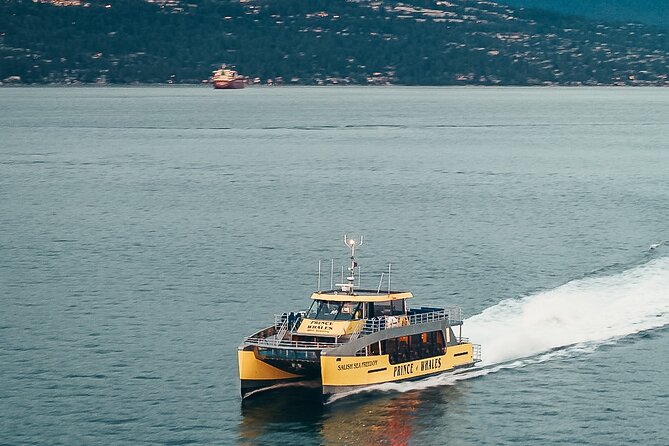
pixel 343 374
pixel 229 85
pixel 340 374
pixel 256 375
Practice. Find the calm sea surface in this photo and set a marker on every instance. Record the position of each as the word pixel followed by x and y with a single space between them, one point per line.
pixel 145 231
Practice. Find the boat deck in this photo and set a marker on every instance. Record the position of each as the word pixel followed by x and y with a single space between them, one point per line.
pixel 279 335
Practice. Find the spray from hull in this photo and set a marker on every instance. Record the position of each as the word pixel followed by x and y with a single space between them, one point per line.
pixel 574 318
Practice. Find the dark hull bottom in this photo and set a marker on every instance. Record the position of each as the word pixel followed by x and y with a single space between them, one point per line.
pixel 251 387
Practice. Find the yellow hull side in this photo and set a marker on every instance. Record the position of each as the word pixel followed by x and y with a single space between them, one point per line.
pixel 251 368
pixel 348 371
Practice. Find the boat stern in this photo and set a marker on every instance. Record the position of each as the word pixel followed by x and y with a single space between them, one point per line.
pixel 255 374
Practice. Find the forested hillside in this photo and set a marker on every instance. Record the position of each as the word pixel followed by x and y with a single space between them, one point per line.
pixel 652 12
pixel 454 42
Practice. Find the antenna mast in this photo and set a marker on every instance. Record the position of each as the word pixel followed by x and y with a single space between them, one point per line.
pixel 352 244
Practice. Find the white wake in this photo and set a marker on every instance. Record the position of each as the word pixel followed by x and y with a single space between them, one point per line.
pixel 574 318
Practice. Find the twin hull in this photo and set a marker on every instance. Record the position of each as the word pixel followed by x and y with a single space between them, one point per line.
pixel 338 374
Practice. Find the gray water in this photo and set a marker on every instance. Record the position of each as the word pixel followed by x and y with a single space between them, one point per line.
pixel 145 231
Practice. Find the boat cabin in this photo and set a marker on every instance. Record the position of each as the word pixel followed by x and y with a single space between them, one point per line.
pixel 335 314
pixel 364 304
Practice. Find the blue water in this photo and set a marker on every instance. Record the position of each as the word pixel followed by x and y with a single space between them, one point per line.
pixel 145 231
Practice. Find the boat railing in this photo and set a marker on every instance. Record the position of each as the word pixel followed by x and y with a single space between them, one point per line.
pixel 285 343
pixel 279 319
pixel 355 334
pixel 477 352
pixel 281 332
pixel 292 319
pixel 451 315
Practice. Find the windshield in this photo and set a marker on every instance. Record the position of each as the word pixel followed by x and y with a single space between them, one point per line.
pixel 341 311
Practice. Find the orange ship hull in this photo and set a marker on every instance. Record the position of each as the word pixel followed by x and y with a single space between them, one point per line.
pixel 228 85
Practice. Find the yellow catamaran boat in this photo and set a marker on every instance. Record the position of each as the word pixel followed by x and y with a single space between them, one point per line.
pixel 352 337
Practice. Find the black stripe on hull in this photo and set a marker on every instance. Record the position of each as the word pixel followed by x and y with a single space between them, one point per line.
pixel 250 387
pixel 333 390
pixel 307 369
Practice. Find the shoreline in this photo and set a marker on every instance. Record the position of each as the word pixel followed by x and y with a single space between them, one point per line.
pixel 208 86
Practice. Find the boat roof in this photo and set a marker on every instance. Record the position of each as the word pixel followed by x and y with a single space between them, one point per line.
pixel 361 295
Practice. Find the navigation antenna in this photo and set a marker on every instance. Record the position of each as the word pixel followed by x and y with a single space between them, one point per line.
pixel 352 244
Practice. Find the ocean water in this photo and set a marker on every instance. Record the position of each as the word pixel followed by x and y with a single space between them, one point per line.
pixel 145 231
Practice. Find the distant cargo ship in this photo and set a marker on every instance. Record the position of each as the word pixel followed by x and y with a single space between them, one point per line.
pixel 225 78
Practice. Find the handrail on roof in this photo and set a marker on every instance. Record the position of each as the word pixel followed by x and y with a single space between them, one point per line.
pixel 451 315
pixel 361 296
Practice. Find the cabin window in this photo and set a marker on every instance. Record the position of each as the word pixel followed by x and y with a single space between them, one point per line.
pixel 350 310
pixel 323 309
pixel 388 308
pixel 414 347
pixel 370 350
pixel 331 310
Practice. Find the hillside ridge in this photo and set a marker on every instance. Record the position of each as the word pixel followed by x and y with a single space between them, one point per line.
pixel 318 42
